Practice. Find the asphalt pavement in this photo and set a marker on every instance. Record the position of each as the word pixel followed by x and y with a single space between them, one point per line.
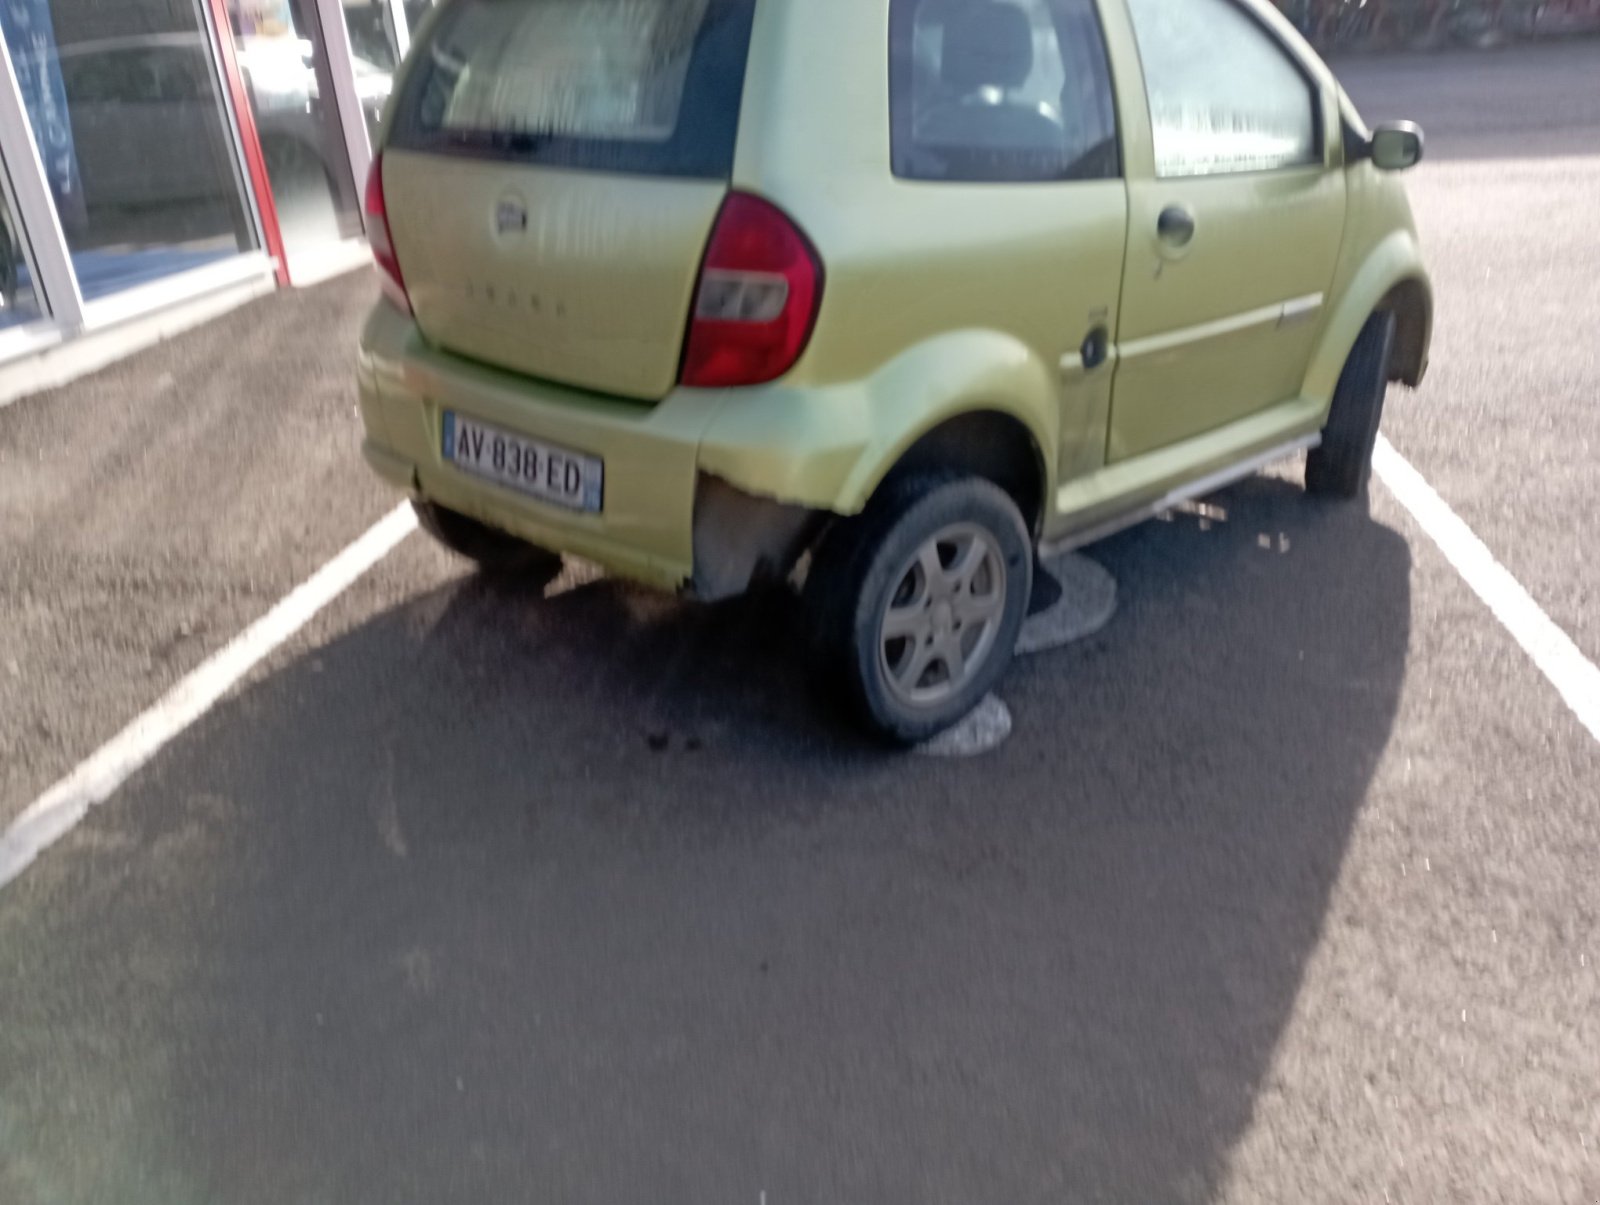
pixel 1283 889
pixel 1507 427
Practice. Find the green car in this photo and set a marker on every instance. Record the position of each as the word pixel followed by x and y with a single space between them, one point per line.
pixel 881 297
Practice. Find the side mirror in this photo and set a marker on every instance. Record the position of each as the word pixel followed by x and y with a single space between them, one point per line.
pixel 1396 146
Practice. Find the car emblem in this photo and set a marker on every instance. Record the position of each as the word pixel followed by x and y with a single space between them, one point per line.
pixel 510 216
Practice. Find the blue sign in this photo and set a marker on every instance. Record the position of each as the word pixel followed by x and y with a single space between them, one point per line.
pixel 30 35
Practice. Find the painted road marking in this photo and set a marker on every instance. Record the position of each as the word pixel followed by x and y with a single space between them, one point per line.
pixel 1079 613
pixel 1560 660
pixel 59 809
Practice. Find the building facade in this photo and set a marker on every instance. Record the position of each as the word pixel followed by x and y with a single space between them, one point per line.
pixel 160 155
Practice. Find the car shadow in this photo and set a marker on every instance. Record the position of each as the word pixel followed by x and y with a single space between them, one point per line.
pixel 498 899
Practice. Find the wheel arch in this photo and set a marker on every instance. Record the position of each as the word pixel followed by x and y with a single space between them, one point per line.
pixel 1391 278
pixel 986 442
pixel 1411 302
pixel 975 399
pixel 980 401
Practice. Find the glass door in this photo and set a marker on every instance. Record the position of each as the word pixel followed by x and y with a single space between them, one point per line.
pixel 375 32
pixel 289 81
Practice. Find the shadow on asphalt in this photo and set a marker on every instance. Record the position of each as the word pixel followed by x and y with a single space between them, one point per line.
pixel 494 899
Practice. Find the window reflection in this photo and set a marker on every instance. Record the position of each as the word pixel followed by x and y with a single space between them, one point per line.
pixel 416 12
pixel 375 49
pixel 126 112
pixel 290 86
pixel 986 91
pixel 1223 95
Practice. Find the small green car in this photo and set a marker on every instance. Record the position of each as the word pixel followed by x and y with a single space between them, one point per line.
pixel 884 295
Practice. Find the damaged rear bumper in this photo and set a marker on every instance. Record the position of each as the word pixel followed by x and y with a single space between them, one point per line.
pixel 665 522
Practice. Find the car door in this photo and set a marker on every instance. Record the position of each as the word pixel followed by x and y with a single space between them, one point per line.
pixel 1236 214
pixel 1006 111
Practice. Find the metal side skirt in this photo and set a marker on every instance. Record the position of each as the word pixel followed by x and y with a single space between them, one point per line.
pixel 1198 488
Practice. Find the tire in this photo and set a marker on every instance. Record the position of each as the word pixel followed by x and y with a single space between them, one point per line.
pixel 961 623
pixel 1342 465
pixel 496 553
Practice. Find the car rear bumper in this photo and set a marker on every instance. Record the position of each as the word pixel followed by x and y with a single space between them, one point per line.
pixel 665 521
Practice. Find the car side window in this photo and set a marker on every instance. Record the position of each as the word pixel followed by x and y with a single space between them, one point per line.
pixel 1224 95
pixel 1001 90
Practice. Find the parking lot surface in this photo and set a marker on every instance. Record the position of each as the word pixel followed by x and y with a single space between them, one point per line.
pixel 1283 887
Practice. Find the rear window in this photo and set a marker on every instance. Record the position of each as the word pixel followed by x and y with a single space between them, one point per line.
pixel 642 86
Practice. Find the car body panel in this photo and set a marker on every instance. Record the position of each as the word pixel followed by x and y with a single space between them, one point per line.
pixel 644 530
pixel 1381 254
pixel 1091 501
pixel 1222 329
pixel 1203 338
pixel 575 277
pixel 828 447
pixel 942 300
pixel 994 321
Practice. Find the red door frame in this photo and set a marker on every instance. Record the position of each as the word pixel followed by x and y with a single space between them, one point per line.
pixel 250 138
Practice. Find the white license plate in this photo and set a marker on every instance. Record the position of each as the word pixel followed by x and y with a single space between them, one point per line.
pixel 556 475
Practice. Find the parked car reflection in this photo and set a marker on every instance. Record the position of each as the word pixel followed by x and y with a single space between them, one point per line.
pixel 121 90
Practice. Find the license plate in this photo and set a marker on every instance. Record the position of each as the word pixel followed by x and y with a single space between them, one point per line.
pixel 568 479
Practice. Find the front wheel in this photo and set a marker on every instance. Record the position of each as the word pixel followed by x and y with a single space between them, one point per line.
pixel 1342 465
pixel 916 604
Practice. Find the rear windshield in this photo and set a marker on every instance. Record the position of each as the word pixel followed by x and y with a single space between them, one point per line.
pixel 643 86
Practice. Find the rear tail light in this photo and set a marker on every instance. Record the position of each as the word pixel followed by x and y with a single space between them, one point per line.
pixel 760 289
pixel 394 284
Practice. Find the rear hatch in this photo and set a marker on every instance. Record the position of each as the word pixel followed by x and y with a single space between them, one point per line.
pixel 552 174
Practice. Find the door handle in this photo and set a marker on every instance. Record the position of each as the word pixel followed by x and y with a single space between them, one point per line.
pixel 1096 347
pixel 1176 225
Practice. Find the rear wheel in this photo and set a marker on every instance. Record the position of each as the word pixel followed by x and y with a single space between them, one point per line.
pixel 496 552
pixel 916 604
pixel 1342 465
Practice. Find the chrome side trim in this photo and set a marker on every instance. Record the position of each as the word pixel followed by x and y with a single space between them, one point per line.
pixel 1277 315
pixel 1233 324
pixel 1301 309
pixel 1198 488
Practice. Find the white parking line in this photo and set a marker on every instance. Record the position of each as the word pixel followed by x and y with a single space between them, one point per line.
pixel 1560 660
pixel 63 806
pixel 59 810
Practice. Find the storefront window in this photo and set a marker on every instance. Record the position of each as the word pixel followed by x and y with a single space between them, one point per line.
pixel 125 109
pixel 18 302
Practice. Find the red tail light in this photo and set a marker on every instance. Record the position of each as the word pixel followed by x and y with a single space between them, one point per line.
pixel 760 289
pixel 394 284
